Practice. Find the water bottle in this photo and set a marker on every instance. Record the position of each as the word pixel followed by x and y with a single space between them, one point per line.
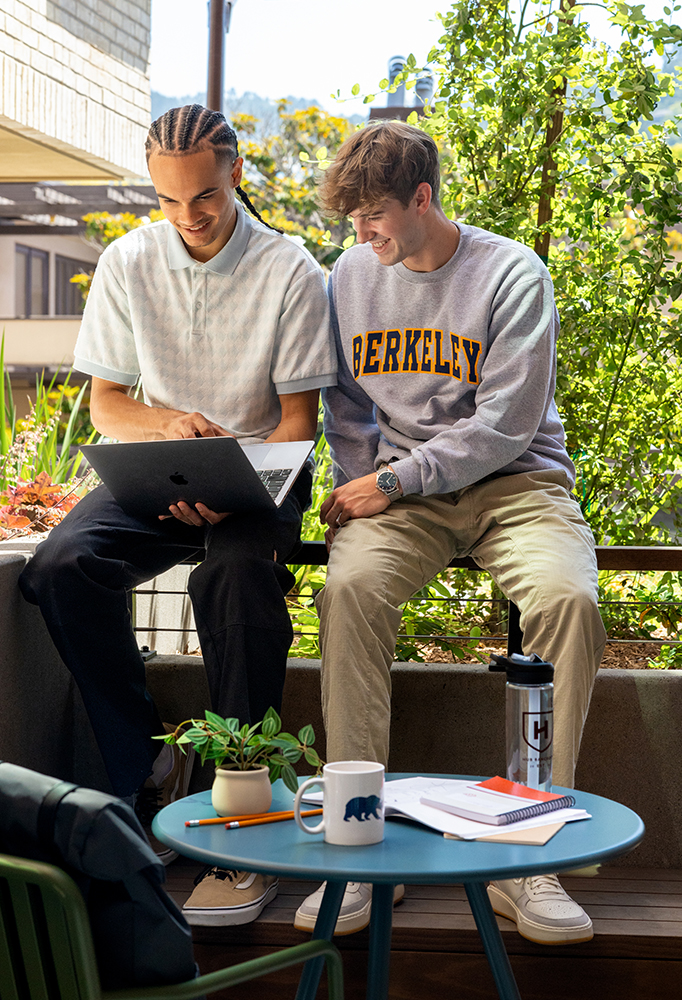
pixel 530 718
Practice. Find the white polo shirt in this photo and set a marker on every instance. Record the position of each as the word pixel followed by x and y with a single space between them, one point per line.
pixel 224 338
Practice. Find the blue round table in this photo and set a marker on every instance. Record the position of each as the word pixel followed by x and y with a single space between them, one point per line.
pixel 409 853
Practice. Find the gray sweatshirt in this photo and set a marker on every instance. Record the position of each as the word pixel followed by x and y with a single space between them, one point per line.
pixel 449 375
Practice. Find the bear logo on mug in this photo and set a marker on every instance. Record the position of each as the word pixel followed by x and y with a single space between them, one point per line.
pixel 363 808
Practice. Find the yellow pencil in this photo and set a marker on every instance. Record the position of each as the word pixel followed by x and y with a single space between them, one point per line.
pixel 269 818
pixel 232 819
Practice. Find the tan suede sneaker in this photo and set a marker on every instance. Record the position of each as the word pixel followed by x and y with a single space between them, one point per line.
pixel 225 896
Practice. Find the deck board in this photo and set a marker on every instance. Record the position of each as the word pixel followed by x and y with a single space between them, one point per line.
pixel 636 952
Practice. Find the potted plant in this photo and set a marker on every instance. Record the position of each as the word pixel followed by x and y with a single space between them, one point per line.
pixel 248 758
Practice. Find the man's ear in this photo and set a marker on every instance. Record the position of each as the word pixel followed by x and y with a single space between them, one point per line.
pixel 236 173
pixel 423 197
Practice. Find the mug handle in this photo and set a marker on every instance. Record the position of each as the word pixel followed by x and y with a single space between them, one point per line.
pixel 297 806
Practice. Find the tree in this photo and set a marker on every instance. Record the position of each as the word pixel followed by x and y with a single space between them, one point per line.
pixel 102 228
pixel 548 137
pixel 281 172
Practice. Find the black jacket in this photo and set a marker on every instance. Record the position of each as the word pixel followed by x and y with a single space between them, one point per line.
pixel 140 936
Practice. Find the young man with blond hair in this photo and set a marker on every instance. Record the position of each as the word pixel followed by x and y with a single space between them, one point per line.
pixel 446 442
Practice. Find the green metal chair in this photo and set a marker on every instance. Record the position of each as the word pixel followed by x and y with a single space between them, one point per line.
pixel 46 949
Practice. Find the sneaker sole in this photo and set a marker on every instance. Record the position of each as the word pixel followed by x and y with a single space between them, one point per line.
pixel 349 924
pixel 229 916
pixel 532 931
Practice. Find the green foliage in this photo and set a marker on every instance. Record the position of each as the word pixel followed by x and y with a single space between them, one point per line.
pixel 244 748
pixel 38 482
pixel 641 605
pixel 545 131
pixel 282 170
pixel 102 228
pixel 310 579
pixel 670 658
pixel 42 442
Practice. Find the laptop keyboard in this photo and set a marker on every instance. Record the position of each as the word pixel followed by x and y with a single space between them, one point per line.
pixel 273 480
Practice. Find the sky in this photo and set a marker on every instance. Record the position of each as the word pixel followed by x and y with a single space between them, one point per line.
pixel 302 48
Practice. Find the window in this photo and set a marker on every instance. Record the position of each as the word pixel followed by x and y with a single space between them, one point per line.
pixel 31 281
pixel 68 298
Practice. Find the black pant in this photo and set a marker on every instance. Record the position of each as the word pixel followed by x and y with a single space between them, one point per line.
pixel 80 576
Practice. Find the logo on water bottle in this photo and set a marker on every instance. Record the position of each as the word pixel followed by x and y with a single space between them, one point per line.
pixel 538 730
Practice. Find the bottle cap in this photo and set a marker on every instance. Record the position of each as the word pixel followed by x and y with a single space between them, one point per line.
pixel 523 669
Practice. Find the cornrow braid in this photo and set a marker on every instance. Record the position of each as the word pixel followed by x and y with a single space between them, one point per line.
pixel 184 130
pixel 249 204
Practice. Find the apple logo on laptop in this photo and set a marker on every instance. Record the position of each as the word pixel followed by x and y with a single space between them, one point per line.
pixel 178 479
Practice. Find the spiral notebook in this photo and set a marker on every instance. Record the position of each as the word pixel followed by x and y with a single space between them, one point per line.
pixel 498 802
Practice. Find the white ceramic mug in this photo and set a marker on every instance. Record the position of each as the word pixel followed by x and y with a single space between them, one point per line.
pixel 353 802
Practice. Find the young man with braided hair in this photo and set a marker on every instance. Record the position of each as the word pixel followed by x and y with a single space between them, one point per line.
pixel 446 442
pixel 227 323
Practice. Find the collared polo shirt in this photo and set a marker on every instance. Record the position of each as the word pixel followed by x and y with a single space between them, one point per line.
pixel 224 338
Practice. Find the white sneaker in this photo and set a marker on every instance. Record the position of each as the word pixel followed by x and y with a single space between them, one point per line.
pixel 541 909
pixel 356 908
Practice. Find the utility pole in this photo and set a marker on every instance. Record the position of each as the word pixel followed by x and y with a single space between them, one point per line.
pixel 219 14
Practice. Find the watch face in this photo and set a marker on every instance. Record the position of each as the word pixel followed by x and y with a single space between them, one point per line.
pixel 387 481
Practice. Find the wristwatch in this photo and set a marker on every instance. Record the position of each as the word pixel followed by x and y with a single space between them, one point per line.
pixel 387 482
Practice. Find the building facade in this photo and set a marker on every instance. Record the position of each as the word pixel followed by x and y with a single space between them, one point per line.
pixel 74 91
pixel 75 107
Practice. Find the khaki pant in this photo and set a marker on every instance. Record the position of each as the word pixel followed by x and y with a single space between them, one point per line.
pixel 528 532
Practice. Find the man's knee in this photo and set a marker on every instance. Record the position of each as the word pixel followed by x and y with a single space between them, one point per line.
pixel 53 561
pixel 575 597
pixel 349 583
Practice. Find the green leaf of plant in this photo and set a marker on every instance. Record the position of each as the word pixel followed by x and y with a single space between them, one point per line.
pixel 289 778
pixel 217 720
pixel 355 89
pixel 269 728
pixel 306 734
pixel 272 714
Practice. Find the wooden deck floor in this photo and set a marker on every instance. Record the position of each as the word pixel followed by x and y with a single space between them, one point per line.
pixel 636 953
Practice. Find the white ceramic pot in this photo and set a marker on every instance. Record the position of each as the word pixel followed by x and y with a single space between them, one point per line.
pixel 238 793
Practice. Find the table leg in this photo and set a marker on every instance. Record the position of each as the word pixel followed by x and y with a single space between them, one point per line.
pixel 380 927
pixel 324 928
pixel 492 941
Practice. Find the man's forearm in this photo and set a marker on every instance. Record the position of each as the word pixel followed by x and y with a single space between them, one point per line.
pixel 299 417
pixel 115 414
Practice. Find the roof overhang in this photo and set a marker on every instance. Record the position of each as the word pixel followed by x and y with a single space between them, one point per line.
pixel 29 155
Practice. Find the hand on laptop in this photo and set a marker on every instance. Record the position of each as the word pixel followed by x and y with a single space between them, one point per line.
pixel 187 425
pixel 197 516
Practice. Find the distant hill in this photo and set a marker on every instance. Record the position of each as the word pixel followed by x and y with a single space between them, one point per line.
pixel 262 108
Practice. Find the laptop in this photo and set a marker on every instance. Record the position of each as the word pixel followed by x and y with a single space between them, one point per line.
pixel 145 477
